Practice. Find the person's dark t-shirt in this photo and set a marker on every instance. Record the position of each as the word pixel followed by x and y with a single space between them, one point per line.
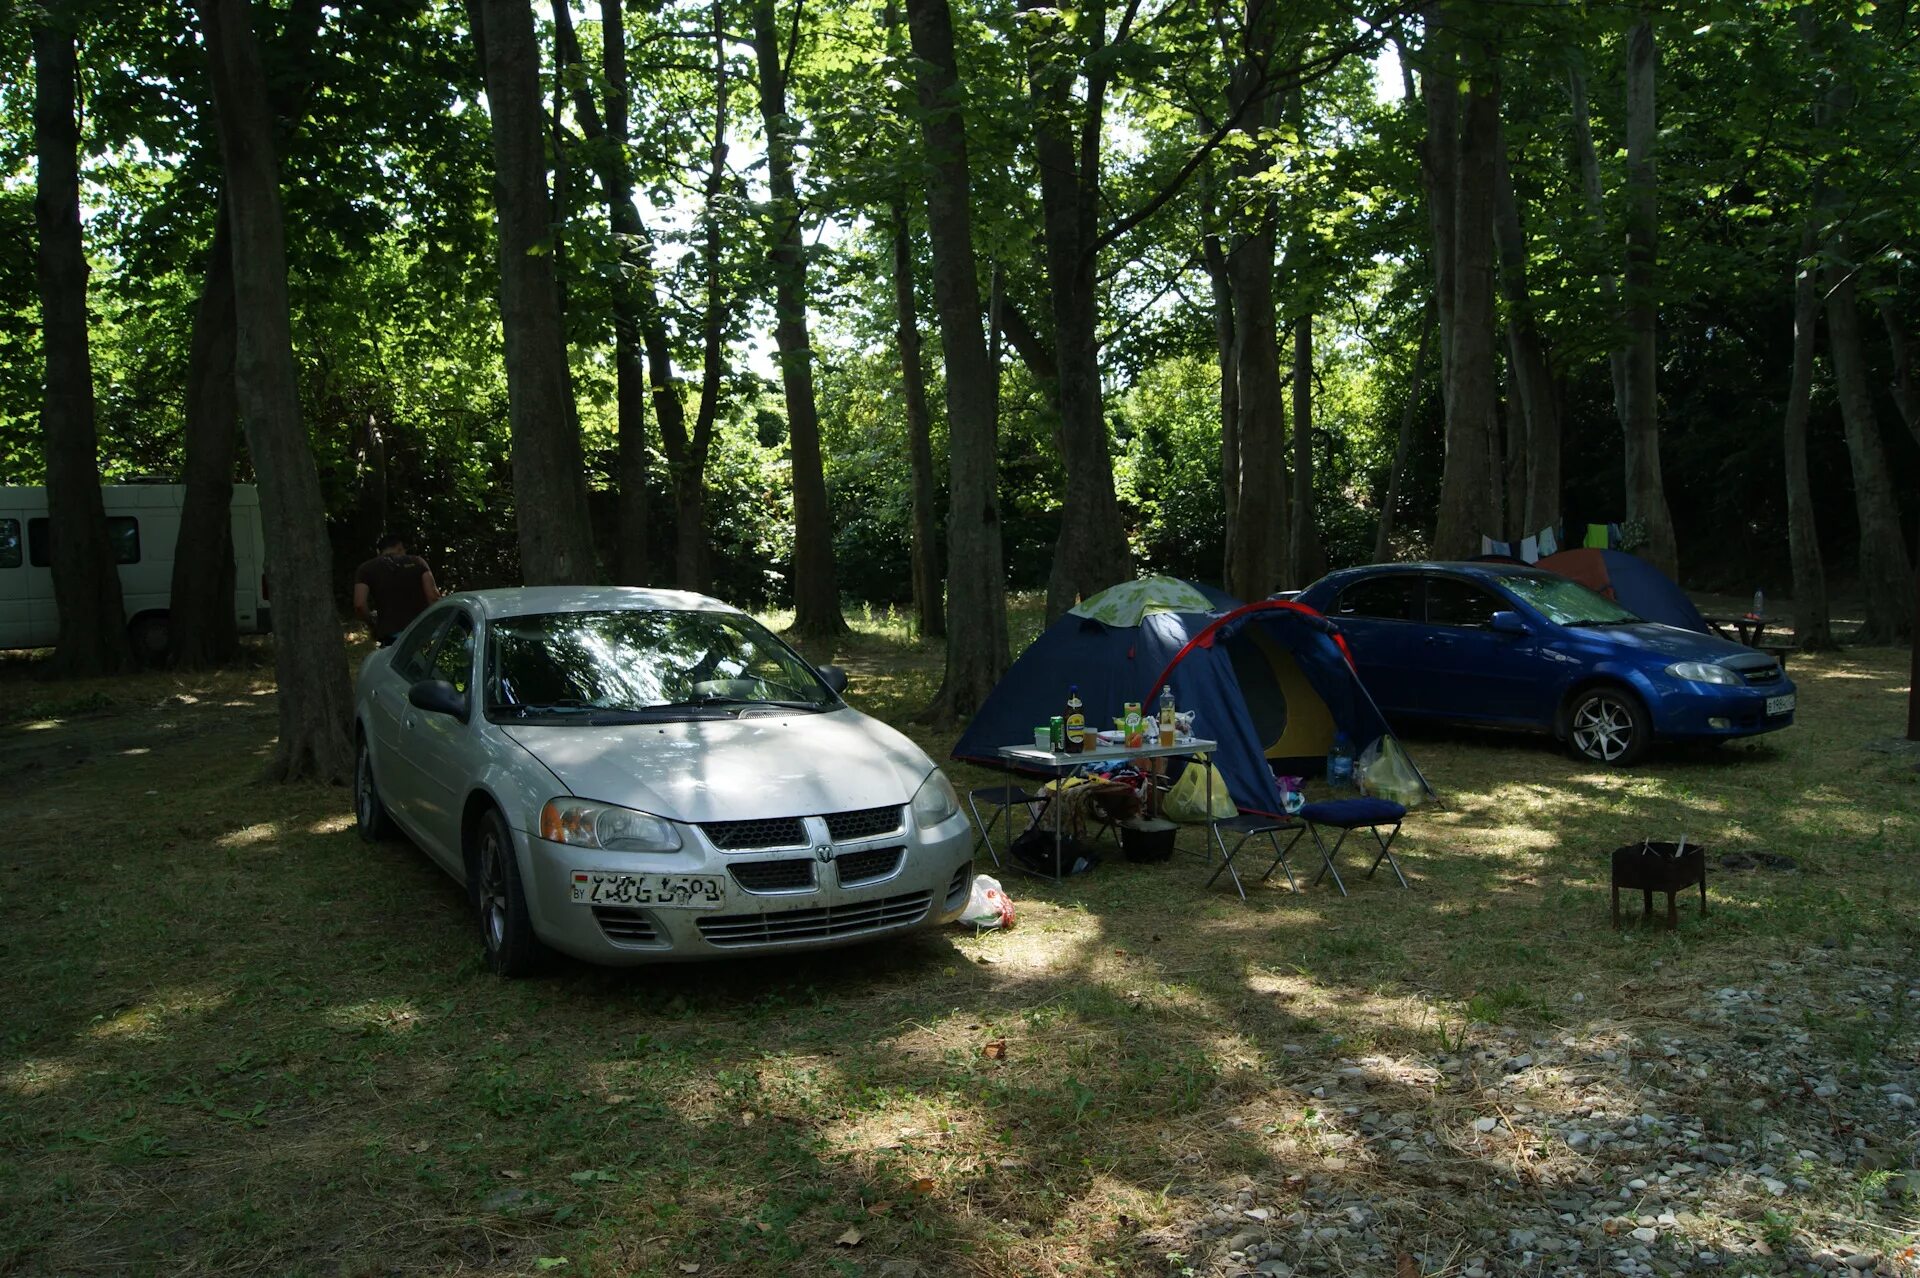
pixel 396 590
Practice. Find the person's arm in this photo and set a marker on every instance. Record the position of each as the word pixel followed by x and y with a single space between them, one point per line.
pixel 360 602
pixel 427 584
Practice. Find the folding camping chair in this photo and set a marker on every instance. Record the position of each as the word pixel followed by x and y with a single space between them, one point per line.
pixel 1003 798
pixel 1346 816
pixel 1249 826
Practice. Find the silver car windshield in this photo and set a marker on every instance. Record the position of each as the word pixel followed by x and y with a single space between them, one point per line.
pixel 600 667
pixel 1567 603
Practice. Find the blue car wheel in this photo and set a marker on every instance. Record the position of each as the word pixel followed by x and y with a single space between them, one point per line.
pixel 1609 725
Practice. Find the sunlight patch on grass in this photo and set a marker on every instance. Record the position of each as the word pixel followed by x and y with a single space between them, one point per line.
pixel 331 824
pixel 250 835
pixel 41 725
pixel 375 1016
pixel 37 1076
pixel 149 1020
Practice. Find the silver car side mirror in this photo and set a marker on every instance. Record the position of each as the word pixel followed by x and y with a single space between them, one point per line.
pixel 437 696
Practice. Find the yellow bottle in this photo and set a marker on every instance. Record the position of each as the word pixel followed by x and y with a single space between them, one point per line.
pixel 1076 720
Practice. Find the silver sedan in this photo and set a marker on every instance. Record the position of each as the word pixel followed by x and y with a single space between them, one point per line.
pixel 632 776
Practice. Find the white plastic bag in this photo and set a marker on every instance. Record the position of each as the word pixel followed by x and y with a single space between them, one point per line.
pixel 987 905
pixel 1384 771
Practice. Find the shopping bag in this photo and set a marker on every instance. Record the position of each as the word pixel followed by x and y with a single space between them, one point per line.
pixel 987 905
pixel 1385 772
pixel 1187 800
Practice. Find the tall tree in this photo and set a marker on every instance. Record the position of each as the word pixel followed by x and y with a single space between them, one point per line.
pixel 929 603
pixel 632 296
pixel 976 582
pixel 309 662
pixel 549 477
pixel 1309 561
pixel 1409 412
pixel 1469 472
pixel 1811 628
pixel 816 596
pixel 1091 553
pixel 1591 188
pixel 86 579
pixel 1646 489
pixel 1539 415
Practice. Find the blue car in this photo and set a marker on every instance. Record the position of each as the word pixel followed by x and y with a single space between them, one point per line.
pixel 1517 647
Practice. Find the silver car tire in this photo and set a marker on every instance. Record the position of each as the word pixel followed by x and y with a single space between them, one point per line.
pixel 1608 725
pixel 500 902
pixel 369 812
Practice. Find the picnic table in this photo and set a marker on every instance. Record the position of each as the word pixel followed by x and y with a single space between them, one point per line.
pixel 1064 764
pixel 1751 630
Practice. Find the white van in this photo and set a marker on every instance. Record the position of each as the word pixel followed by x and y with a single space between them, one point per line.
pixel 143 522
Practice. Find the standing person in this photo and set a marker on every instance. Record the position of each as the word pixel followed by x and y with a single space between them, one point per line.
pixel 392 588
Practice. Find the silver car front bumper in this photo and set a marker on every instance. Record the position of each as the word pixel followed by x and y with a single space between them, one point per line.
pixel 851 895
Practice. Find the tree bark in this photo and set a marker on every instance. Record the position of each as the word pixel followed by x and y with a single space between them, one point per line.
pixel 1646 490
pixel 629 346
pixel 1383 534
pixel 1439 165
pixel 1309 561
pixel 201 627
pixel 1589 165
pixel 1257 537
pixel 1906 394
pixel 1811 626
pixel 1224 345
pixel 1886 579
pixel 314 703
pixel 1468 474
pixel 816 597
pixel 1091 551
pixel 1527 357
pixel 929 601
pixel 549 478
pixel 86 579
pixel 976 585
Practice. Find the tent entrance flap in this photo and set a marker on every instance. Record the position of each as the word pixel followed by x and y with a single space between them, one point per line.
pixel 1289 717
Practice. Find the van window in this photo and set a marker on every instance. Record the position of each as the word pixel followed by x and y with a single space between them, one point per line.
pixel 9 543
pixel 123 534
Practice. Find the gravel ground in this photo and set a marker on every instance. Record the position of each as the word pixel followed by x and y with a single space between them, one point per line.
pixel 1764 1126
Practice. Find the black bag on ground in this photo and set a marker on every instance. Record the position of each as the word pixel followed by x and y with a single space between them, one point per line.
pixel 1033 849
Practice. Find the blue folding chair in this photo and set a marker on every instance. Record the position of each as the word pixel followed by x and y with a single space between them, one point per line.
pixel 1346 816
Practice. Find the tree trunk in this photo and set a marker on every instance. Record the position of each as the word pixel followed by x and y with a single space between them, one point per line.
pixel 86 579
pixel 1811 626
pixel 629 358
pixel 1091 552
pixel 1906 395
pixel 1383 534
pixel 1439 165
pixel 1597 223
pixel 1224 345
pixel 314 703
pixel 201 628
pixel 1886 579
pixel 1539 441
pixel 929 602
pixel 976 586
pixel 1469 473
pixel 1646 491
pixel 1309 561
pixel 549 478
pixel 816 597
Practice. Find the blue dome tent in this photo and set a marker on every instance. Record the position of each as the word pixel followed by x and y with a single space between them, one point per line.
pixel 1269 681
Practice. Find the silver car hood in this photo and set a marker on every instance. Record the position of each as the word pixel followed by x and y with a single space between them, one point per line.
pixel 758 766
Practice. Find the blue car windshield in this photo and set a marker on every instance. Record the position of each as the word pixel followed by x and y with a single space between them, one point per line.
pixel 1565 602
pixel 652 664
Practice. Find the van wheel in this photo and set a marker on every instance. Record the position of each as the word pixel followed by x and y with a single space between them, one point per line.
pixel 501 902
pixel 1609 725
pixel 151 637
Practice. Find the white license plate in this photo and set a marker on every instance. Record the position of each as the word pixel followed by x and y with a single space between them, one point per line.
pixel 667 891
pixel 1780 705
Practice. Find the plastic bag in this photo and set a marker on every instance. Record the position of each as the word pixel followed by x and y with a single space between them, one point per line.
pixel 1385 772
pixel 1187 800
pixel 987 905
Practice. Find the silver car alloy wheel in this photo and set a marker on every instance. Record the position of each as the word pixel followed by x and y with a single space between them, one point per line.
pixel 364 799
pixel 1603 729
pixel 493 890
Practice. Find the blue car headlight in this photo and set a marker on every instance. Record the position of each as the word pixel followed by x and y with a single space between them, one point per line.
pixel 1703 672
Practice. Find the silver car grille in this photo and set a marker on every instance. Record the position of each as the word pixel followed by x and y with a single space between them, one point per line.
pixel 824 923
pixel 625 926
pixel 742 836
pixel 864 823
pixel 864 867
pixel 791 875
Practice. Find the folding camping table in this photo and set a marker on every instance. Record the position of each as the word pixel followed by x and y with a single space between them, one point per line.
pixel 1062 765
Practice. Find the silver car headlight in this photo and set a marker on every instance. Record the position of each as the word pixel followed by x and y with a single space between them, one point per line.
pixel 1703 672
pixel 935 800
pixel 602 825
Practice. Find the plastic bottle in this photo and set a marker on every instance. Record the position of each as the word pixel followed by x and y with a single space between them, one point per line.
pixel 1759 603
pixel 1167 715
pixel 1076 720
pixel 1340 763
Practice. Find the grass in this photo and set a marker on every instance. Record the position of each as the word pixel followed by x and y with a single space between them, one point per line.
pixel 236 1039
